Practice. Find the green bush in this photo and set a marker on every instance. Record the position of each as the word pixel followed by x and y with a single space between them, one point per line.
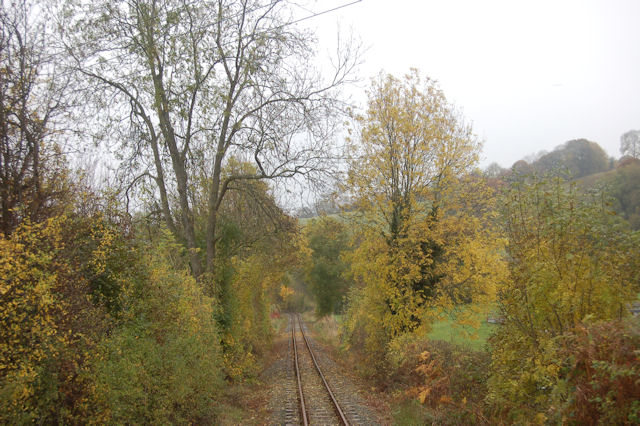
pixel 572 262
pixel 163 364
pixel 328 239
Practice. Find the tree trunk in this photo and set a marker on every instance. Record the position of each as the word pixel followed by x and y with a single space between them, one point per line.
pixel 214 205
pixel 177 161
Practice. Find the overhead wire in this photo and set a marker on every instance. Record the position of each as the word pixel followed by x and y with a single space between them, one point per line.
pixel 321 13
pixel 313 14
pixel 286 24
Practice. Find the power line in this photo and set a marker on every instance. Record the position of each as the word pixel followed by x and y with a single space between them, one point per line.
pixel 246 12
pixel 321 13
pixel 286 24
pixel 313 15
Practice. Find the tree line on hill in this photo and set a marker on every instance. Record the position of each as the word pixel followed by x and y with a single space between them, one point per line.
pixel 588 164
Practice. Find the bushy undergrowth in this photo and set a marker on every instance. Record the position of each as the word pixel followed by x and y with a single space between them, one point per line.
pixel 603 374
pixel 48 327
pixel 597 381
pixel 71 352
pixel 163 364
pixel 572 263
pixel 447 378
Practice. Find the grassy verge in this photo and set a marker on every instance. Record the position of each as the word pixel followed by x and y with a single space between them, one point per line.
pixel 409 412
pixel 325 329
pixel 240 404
pixel 279 324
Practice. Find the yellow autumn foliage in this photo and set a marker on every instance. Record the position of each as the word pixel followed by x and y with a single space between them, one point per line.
pixel 425 233
pixel 286 293
pixel 48 326
pixel 29 334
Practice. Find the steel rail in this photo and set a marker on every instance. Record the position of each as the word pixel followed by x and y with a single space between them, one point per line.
pixel 341 415
pixel 303 409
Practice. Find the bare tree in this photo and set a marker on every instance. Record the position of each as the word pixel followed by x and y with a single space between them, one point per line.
pixel 31 98
pixel 494 170
pixel 196 83
pixel 630 144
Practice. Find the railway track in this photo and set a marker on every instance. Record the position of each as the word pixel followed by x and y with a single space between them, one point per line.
pixel 317 402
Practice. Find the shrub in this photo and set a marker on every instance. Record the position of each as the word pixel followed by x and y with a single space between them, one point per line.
pixel 328 239
pixel 363 331
pixel 604 374
pixel 48 327
pixel 163 364
pixel 571 261
pixel 29 334
pixel 447 378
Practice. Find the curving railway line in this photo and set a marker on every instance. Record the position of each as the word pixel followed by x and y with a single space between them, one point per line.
pixel 317 402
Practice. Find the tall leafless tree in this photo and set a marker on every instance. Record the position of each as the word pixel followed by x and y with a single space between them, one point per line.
pixel 195 83
pixel 630 144
pixel 31 98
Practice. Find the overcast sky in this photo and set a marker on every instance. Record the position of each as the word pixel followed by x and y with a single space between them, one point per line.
pixel 529 75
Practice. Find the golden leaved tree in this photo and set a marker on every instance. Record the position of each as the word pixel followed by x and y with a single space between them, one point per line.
pixel 424 237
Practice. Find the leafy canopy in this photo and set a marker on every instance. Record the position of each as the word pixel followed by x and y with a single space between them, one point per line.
pixel 423 237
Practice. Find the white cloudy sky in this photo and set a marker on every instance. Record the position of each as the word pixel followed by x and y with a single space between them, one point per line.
pixel 530 75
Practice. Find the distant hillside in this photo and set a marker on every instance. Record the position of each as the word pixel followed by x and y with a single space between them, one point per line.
pixel 574 159
pixel 623 183
pixel 571 160
pixel 588 164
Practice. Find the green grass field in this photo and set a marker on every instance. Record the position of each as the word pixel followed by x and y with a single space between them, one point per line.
pixel 476 339
pixel 446 330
